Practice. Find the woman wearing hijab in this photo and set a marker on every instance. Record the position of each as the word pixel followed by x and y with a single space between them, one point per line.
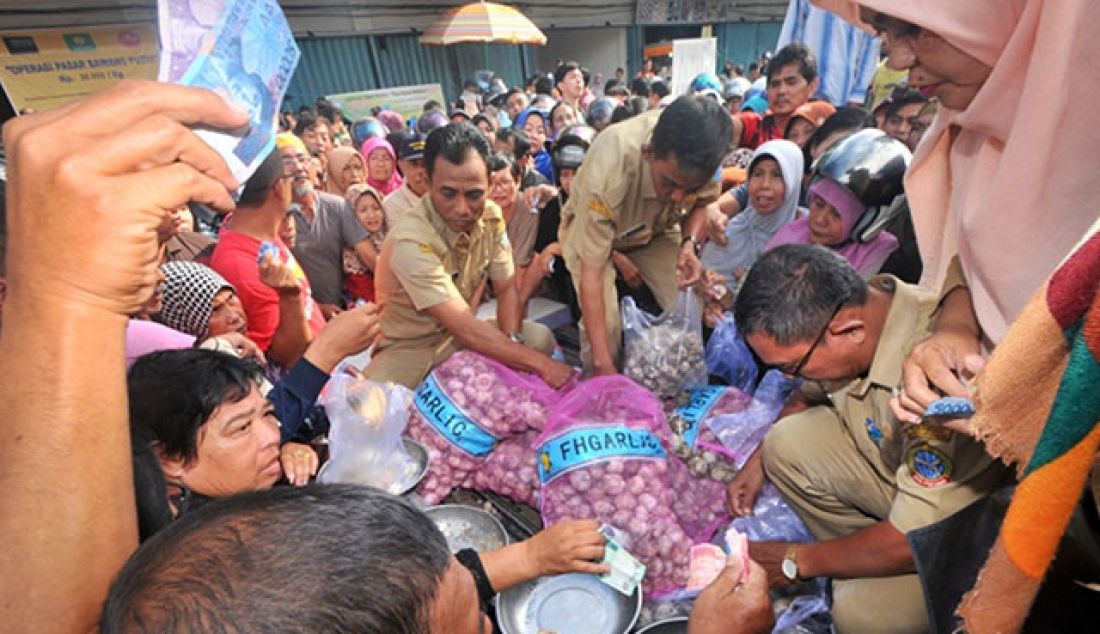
pixel 774 183
pixel 346 167
pixel 533 122
pixel 381 166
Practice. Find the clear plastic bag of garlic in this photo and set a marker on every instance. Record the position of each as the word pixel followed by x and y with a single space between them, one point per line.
pixel 665 354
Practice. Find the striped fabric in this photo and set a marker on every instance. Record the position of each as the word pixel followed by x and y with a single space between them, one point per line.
pixel 846 56
pixel 483 22
pixel 1039 408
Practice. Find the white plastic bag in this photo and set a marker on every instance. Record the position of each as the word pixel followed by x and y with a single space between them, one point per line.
pixel 665 354
pixel 365 442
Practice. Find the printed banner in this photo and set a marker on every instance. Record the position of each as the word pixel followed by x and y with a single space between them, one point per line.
pixel 42 69
pixel 408 100
pixel 689 58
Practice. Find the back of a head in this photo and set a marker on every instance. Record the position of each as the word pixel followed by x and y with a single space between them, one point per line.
pixel 639 87
pixel 846 118
pixel 313 559
pixel 453 142
pixel 521 146
pixel 794 53
pixel 793 289
pixel 543 86
pixel 258 187
pixel 697 131
pixel 660 88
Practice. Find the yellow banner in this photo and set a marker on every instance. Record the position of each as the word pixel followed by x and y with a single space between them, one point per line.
pixel 42 69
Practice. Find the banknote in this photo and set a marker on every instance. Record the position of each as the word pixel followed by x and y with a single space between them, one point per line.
pixel 185 25
pixel 249 61
pixel 626 571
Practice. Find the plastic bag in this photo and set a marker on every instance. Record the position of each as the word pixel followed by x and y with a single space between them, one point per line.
pixel 511 470
pixel 365 444
pixel 772 519
pixel 464 408
pixel 665 354
pixel 742 432
pixel 603 455
pixel 729 357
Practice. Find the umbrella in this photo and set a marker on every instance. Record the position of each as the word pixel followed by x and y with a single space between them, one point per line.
pixel 483 22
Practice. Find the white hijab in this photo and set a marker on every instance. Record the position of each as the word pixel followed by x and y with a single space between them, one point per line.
pixel 749 231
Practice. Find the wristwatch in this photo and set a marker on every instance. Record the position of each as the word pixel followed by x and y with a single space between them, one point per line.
pixel 516 337
pixel 696 244
pixel 790 564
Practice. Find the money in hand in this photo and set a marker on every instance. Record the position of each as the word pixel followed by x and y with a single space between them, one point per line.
pixel 185 27
pixel 626 571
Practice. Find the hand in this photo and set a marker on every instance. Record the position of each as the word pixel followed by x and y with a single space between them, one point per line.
pixel 300 463
pixel 745 486
pixel 714 224
pixel 932 370
pixel 95 158
pixel 972 365
pixel 713 313
pixel 539 195
pixel 569 546
pixel 244 347
pixel 689 270
pixel 279 276
pixel 349 332
pixel 555 373
pixel 627 270
pixel 712 286
pixel 770 555
pixel 328 311
pixel 724 597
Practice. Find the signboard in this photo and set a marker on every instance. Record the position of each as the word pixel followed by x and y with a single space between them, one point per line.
pixel 689 58
pixel 407 100
pixel 42 69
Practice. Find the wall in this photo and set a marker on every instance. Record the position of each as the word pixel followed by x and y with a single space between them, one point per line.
pixel 601 50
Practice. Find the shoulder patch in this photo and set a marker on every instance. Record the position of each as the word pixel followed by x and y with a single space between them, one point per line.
pixel 929 466
pixel 928 432
pixel 874 432
pixel 424 248
pixel 600 209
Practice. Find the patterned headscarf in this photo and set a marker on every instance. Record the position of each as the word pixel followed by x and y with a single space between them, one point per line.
pixel 189 293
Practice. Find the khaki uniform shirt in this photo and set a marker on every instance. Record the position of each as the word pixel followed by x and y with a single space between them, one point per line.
pixel 396 204
pixel 937 471
pixel 613 204
pixel 424 263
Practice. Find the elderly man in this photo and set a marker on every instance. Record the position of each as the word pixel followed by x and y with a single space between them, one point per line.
pixel 433 263
pixel 644 191
pixel 410 158
pixel 856 476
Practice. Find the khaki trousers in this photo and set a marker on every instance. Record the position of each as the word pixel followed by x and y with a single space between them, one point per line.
pixel 833 486
pixel 656 263
pixel 408 362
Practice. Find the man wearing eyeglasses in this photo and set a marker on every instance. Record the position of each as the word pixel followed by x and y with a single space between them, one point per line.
pixel 856 476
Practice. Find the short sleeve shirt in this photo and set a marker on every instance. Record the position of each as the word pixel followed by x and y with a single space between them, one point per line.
pixel 424 263
pixel 396 204
pixel 235 259
pixel 613 205
pixel 522 229
pixel 320 244
pixel 759 129
pixel 937 471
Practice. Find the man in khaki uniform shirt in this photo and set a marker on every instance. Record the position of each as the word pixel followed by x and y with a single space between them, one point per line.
pixel 857 477
pixel 432 263
pixel 642 181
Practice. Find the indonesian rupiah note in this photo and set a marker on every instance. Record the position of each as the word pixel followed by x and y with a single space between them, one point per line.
pixel 626 571
pixel 184 27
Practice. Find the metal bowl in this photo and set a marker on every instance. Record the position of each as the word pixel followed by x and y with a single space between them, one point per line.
pixel 673 625
pixel 419 453
pixel 573 603
pixel 468 527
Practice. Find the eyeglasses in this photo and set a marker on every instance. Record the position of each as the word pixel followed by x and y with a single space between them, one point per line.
pixel 817 342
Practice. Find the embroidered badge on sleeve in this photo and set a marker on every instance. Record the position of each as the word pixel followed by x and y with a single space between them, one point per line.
pixel 929 466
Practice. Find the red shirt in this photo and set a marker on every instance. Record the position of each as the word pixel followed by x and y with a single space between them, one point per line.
pixel 759 129
pixel 235 258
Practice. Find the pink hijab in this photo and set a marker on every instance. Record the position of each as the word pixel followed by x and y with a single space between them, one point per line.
pixel 1012 188
pixel 866 259
pixel 384 187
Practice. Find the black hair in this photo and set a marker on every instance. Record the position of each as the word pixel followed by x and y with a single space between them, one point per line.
pixel 543 86
pixel 845 118
pixel 430 105
pixel 639 87
pixel 738 70
pixel 902 97
pixel 791 290
pixel 660 88
pixel 698 131
pixel 513 91
pixel 306 120
pixel 258 186
pixel 521 146
pixel 794 53
pixel 325 109
pixel 370 562
pixel 609 84
pixel 173 393
pixel 561 71
pixel 498 161
pixel 454 142
pixel 549 120
pixel 587 75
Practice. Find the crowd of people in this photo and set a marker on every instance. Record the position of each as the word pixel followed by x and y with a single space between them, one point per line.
pixel 167 330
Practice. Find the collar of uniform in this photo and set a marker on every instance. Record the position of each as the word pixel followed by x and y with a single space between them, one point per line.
pixel 450 236
pixel 901 321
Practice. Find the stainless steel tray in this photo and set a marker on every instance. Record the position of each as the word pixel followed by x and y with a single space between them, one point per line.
pixel 572 603
pixel 468 527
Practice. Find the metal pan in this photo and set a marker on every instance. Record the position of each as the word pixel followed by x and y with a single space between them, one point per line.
pixel 673 625
pixel 574 603
pixel 468 527
pixel 419 453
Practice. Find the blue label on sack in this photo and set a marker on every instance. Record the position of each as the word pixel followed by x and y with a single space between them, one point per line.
pixel 450 421
pixel 701 401
pixel 581 446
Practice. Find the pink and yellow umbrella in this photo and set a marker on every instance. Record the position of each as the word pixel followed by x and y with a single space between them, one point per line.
pixel 484 22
